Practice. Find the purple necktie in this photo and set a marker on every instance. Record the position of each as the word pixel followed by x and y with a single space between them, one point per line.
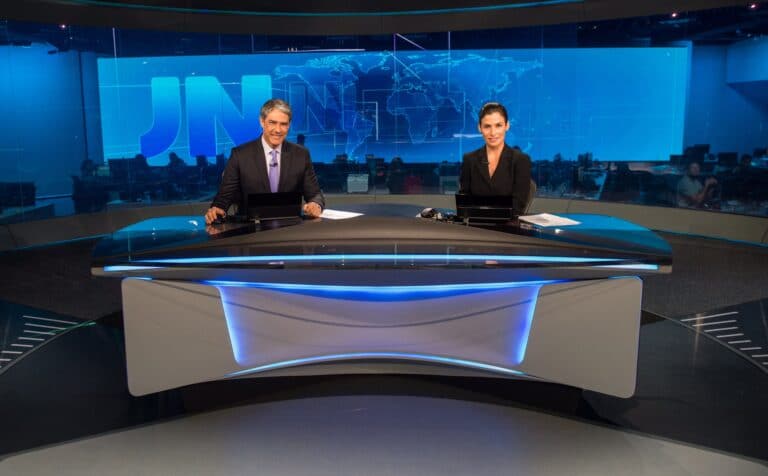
pixel 274 171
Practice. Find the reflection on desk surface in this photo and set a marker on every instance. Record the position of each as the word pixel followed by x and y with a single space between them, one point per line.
pixel 387 232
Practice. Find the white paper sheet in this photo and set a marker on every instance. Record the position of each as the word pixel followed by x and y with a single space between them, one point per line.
pixel 547 219
pixel 338 214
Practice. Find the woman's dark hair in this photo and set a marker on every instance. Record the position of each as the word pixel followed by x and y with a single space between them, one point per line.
pixel 490 108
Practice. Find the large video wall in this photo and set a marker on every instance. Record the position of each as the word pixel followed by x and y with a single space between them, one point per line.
pixel 99 118
pixel 620 104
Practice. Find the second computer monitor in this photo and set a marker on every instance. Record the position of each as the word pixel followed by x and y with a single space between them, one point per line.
pixel 274 206
pixel 485 208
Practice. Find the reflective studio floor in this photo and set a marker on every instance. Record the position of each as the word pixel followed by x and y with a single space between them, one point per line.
pixel 699 406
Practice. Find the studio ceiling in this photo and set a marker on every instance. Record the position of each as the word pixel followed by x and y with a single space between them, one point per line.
pixel 334 17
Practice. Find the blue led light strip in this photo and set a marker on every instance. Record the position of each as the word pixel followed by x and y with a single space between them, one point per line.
pixel 436 288
pixel 129 268
pixel 376 257
pixel 116 269
pixel 650 267
pixel 521 314
pixel 376 355
pixel 436 11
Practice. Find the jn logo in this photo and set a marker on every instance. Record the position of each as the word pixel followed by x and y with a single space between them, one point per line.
pixel 206 104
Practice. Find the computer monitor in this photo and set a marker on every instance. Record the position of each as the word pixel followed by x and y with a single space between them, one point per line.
pixel 119 169
pixel 273 206
pixel 677 159
pixel 728 159
pixel 697 152
pixel 485 208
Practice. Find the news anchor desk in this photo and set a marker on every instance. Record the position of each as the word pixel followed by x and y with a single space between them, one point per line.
pixel 384 292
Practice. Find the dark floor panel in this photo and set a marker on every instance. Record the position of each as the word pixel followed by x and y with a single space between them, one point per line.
pixel 73 386
pixel 742 328
pixel 707 274
pixel 23 329
pixel 58 279
pixel 377 435
pixel 690 389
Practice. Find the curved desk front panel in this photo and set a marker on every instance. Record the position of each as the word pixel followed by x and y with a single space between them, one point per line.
pixel 381 294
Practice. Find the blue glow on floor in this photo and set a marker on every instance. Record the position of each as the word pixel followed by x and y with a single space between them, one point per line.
pixel 377 355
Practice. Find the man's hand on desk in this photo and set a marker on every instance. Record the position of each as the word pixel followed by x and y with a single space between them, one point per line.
pixel 312 209
pixel 213 213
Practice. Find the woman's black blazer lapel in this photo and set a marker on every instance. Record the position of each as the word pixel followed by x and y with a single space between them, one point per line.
pixel 481 166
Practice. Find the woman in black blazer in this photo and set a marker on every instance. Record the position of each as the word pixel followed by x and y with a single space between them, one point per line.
pixel 496 168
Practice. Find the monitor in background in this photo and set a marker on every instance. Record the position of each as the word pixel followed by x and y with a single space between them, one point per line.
pixel 119 169
pixel 102 170
pixel 485 208
pixel 696 152
pixel 728 159
pixel 677 160
pixel 273 206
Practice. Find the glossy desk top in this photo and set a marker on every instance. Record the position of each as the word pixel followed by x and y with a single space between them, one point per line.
pixel 385 236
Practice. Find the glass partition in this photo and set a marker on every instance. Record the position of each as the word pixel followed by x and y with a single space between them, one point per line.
pixel 666 111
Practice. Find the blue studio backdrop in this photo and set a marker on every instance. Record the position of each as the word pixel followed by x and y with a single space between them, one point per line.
pixel 620 104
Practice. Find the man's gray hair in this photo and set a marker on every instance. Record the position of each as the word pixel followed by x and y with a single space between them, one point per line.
pixel 273 104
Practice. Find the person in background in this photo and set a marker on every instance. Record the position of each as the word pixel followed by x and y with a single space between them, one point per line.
pixel 496 168
pixel 396 176
pixel 745 165
pixel 691 192
pixel 269 164
pixel 87 168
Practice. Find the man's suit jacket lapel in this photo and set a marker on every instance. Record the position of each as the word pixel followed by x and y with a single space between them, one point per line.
pixel 285 162
pixel 260 163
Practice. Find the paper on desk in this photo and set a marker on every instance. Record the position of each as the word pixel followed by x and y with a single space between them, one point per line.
pixel 338 214
pixel 546 219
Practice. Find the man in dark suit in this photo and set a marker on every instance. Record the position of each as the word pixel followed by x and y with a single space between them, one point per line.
pixel 269 164
pixel 496 168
